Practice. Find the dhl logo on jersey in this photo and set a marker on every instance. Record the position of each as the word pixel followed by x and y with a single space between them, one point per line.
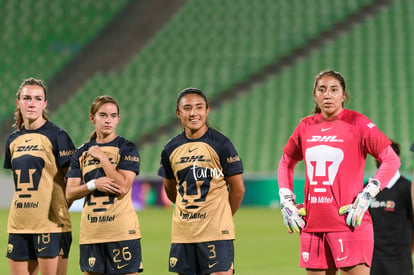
pixel 27 148
pixel 192 159
pixel 324 139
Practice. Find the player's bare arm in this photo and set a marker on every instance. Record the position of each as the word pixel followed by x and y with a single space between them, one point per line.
pixel 129 177
pixel 237 190
pixel 64 171
pixel 170 186
pixel 75 190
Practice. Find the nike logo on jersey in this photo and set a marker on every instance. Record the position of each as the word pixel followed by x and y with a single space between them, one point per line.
pixel 212 265
pixel 27 140
pixel 121 266
pixel 326 129
pixel 41 249
pixel 191 150
pixel 342 258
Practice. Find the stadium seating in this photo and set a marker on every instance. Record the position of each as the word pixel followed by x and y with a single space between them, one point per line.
pixel 39 37
pixel 214 46
pixel 260 121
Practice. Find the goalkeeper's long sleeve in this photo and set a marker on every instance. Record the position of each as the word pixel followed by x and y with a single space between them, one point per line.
pixel 285 172
pixel 390 162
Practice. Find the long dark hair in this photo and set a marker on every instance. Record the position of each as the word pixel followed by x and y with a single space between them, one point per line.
pixel 337 76
pixel 18 117
pixel 97 103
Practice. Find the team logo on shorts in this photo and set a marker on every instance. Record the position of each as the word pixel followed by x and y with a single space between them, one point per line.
pixel 305 256
pixel 10 248
pixel 91 261
pixel 173 261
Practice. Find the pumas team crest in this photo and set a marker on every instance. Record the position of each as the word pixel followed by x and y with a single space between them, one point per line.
pixel 305 256
pixel 173 261
pixel 10 248
pixel 91 261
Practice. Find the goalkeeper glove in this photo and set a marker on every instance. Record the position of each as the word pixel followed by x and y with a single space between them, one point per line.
pixel 357 209
pixel 291 217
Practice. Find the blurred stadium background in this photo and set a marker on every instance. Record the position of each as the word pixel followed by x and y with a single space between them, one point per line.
pixel 255 60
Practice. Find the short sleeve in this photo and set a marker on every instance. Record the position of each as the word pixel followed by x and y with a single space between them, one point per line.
pixel 230 159
pixel 165 169
pixel 130 159
pixel 74 169
pixel 7 156
pixel 64 149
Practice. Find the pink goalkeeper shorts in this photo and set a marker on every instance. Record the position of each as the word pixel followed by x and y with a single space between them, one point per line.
pixel 333 250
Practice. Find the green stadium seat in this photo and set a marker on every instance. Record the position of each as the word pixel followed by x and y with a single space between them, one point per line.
pixel 44 43
pixel 231 41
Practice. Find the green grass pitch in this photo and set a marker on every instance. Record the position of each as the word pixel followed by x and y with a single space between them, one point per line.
pixel 262 246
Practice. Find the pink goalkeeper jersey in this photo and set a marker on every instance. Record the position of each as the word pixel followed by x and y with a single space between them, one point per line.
pixel 334 152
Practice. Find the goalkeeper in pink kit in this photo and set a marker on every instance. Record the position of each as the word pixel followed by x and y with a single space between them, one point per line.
pixel 335 227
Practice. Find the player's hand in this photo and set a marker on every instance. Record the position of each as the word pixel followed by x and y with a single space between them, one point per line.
pixel 107 185
pixel 291 217
pixel 96 152
pixel 357 209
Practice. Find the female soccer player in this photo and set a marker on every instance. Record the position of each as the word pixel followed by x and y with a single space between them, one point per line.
pixel 103 170
pixel 336 232
pixel 38 154
pixel 203 176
